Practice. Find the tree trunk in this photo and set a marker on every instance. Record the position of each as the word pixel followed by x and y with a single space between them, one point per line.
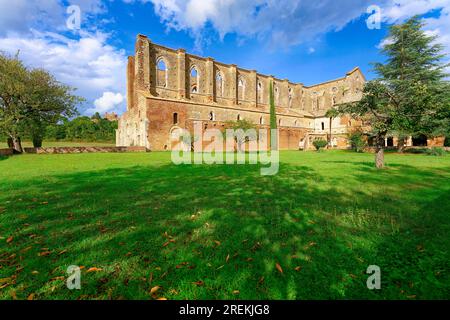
pixel 10 143
pixel 401 144
pixel 330 143
pixel 37 142
pixel 17 145
pixel 379 158
pixel 379 155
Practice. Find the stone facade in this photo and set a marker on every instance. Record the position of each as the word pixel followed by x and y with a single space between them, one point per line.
pixel 167 90
pixel 111 116
pixel 68 150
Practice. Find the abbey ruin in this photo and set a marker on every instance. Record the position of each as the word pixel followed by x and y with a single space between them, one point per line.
pixel 168 90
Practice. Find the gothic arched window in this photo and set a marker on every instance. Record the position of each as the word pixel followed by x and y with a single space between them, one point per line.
pixel 241 89
pixel 194 77
pixel 161 73
pixel 219 85
pixel 291 96
pixel 260 92
pixel 277 95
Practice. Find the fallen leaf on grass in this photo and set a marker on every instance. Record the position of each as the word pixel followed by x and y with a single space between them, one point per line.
pixel 277 265
pixel 181 265
pixel 217 243
pixel 161 299
pixel 26 249
pixel 11 256
pixel 168 242
pixel 261 280
pixel 173 291
pixel 9 240
pixel 62 252
pixel 94 269
pixel 298 268
pixel 154 289
pixel 31 297
pixel 199 283
pixel 44 253
pixel 236 292
pixel 228 258
pixel 256 246
pixel 34 272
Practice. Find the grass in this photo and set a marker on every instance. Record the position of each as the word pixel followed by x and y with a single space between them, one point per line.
pixel 49 144
pixel 218 232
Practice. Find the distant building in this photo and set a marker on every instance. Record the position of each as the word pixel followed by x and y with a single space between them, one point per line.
pixel 111 116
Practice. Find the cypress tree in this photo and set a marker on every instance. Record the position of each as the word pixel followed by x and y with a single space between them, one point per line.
pixel 273 119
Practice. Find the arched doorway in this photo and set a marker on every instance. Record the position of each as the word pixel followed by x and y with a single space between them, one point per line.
pixel 420 141
pixel 390 142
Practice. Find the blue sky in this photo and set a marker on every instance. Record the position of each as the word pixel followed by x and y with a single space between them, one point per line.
pixel 303 41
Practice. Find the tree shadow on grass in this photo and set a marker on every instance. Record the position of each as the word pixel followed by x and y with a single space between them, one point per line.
pixel 218 232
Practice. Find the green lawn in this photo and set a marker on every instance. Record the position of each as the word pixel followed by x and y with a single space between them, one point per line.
pixel 48 144
pixel 218 232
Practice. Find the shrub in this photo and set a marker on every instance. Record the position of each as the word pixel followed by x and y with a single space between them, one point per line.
pixel 357 142
pixel 320 144
pixel 416 150
pixel 435 151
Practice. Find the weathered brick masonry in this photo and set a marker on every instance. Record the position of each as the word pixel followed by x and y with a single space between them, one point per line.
pixel 167 90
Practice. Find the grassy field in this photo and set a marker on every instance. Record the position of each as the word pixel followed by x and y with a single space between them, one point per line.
pixel 136 222
pixel 48 144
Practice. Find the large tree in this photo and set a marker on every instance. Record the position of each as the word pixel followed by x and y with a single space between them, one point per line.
pixel 30 100
pixel 411 93
pixel 244 131
pixel 13 75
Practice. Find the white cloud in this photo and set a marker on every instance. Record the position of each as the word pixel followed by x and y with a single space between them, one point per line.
pixel 108 102
pixel 280 22
pixel 385 42
pixel 400 10
pixel 19 16
pixel 87 63
pixel 283 23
